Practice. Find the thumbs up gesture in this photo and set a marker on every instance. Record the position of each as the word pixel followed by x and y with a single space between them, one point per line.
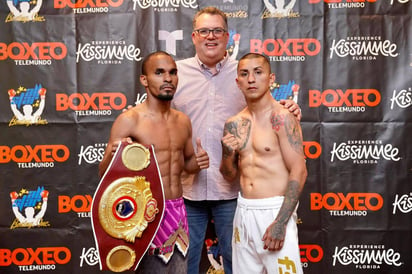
pixel 202 158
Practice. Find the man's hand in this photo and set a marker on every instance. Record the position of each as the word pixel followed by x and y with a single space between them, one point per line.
pixel 126 109
pixel 274 236
pixel 116 144
pixel 230 145
pixel 202 158
pixel 292 107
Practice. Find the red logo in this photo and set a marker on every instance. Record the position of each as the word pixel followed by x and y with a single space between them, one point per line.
pixel 59 4
pixel 350 201
pixel 96 101
pixel 339 1
pixel 34 51
pixel 77 203
pixel 312 149
pixel 350 97
pixel 310 253
pixel 38 153
pixel 38 256
pixel 289 47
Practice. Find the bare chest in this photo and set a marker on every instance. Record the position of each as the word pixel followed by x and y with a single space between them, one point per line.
pixel 161 135
pixel 261 140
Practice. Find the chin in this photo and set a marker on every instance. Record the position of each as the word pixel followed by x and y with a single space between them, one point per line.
pixel 165 98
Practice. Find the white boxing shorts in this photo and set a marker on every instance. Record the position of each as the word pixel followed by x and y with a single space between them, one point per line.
pixel 252 218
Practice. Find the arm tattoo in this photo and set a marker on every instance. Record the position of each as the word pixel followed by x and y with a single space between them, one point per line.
pixel 228 172
pixel 240 128
pixel 293 133
pixel 230 127
pixel 289 203
pixel 227 151
pixel 291 127
pixel 277 121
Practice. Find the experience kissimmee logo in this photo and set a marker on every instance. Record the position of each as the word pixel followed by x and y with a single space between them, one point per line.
pixel 164 5
pixel 363 48
pixel 366 256
pixel 401 98
pixel 24 10
pixel 89 257
pixel 402 203
pixel 280 9
pixel 364 152
pixel 91 154
pixel 111 52
pixel 88 6
pixel 405 2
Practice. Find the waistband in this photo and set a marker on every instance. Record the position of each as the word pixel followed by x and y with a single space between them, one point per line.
pixel 178 202
pixel 268 203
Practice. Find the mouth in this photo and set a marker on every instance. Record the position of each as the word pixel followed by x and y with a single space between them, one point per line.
pixel 211 44
pixel 168 87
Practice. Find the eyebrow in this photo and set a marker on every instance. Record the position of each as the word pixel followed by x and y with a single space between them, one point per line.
pixel 255 68
pixel 164 70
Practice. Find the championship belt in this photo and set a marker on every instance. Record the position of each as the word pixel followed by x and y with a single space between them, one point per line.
pixel 127 207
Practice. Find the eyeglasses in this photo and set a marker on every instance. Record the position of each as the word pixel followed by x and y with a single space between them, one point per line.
pixel 217 32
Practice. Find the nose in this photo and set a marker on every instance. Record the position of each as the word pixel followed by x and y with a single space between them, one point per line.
pixel 251 78
pixel 167 77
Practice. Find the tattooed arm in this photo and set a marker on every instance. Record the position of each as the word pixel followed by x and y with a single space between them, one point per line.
pixel 289 135
pixel 230 152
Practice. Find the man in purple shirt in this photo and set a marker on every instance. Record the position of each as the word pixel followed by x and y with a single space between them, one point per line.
pixel 208 94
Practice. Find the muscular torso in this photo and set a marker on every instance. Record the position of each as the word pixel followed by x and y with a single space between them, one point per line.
pixel 263 172
pixel 169 137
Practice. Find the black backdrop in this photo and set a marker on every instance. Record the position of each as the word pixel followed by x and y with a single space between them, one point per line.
pixel 348 64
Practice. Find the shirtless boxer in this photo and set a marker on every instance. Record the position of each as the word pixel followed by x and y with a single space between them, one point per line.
pixel 263 145
pixel 170 131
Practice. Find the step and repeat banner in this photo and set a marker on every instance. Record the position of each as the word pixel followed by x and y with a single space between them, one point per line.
pixel 69 67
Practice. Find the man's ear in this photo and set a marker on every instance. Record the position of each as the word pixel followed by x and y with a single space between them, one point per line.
pixel 143 80
pixel 272 79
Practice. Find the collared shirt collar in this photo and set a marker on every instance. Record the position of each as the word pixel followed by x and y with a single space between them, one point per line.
pixel 219 65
